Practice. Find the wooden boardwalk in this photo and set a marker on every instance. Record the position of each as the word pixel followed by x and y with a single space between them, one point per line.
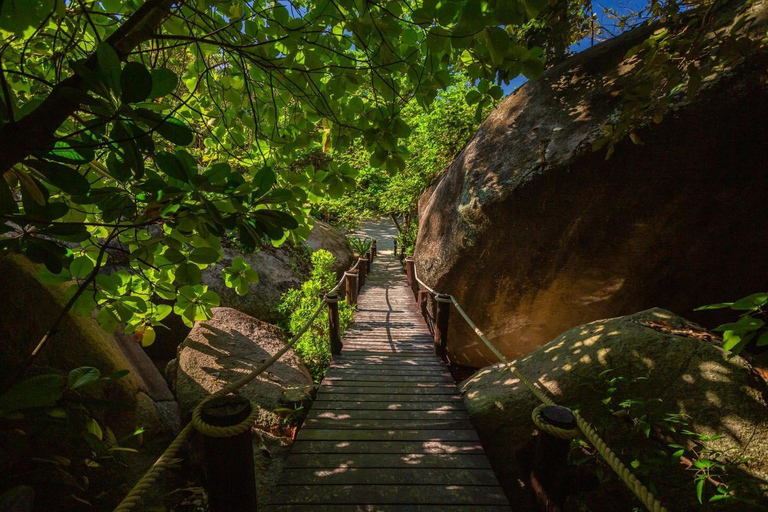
pixel 388 430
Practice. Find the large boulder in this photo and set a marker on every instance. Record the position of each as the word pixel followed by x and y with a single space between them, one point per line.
pixel 654 355
pixel 226 348
pixel 141 399
pixel 29 310
pixel 280 269
pixel 534 232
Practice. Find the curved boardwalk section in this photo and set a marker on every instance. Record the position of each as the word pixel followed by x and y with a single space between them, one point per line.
pixel 388 430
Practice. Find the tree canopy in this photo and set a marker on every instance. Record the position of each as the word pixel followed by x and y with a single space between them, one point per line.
pixel 142 132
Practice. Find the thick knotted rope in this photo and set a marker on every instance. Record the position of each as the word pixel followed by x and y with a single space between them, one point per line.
pixel 587 430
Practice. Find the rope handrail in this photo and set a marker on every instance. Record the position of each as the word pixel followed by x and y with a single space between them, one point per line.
pixel 589 432
pixel 197 423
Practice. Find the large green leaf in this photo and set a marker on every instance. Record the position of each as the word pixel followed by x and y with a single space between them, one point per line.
pixel 38 391
pixel 164 81
pixel 135 82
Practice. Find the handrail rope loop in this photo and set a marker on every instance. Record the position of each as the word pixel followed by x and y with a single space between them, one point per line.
pixel 198 424
pixel 561 433
pixel 588 431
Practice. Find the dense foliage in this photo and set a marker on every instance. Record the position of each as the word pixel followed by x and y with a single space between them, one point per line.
pixel 151 129
pixel 299 305
pixel 437 135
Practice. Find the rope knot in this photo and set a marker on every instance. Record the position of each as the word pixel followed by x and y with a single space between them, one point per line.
pixel 546 425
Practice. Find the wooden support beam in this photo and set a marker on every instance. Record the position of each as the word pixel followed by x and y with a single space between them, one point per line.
pixel 443 308
pixel 229 459
pixel 352 288
pixel 333 323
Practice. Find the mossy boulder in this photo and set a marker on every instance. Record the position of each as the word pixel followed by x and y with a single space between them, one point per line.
pixel 664 362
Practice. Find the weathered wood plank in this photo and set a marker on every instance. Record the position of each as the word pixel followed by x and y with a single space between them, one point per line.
pixel 397 447
pixel 367 507
pixel 356 404
pixel 387 414
pixel 393 476
pixel 433 383
pixel 312 434
pixel 353 388
pixel 388 460
pixel 391 494
pixel 389 397
pixel 388 424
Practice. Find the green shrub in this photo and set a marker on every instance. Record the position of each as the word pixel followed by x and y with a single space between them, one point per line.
pixel 314 347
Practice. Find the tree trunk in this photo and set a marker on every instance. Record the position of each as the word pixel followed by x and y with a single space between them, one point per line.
pixel 37 130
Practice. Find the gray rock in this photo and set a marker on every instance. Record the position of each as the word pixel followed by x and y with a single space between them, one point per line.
pixel 535 233
pixel 688 373
pixel 279 270
pixel 225 349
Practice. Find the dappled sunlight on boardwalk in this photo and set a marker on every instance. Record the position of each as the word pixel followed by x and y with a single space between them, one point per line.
pixel 388 429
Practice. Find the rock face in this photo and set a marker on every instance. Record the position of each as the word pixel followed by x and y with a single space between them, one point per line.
pixel 29 309
pixel 224 349
pixel 279 271
pixel 535 233
pixel 689 374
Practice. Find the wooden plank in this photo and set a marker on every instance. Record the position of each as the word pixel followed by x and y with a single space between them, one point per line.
pixel 394 476
pixel 356 404
pixel 367 507
pixel 323 396
pixel 391 390
pixel 387 460
pixel 314 434
pixel 391 494
pixel 387 414
pixel 398 447
pixel 434 383
pixel 388 424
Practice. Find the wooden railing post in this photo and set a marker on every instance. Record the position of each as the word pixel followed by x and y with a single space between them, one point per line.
pixel 375 249
pixel 394 245
pixel 411 276
pixel 351 278
pixel 333 323
pixel 549 472
pixel 370 259
pixel 363 271
pixel 229 459
pixel 422 301
pixel 441 323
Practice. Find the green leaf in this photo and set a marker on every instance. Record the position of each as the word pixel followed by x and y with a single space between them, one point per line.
pixel 82 377
pixel 700 490
pixel 175 131
pixel 94 428
pixel 204 255
pixel 38 391
pixel 763 339
pixel 171 166
pixel 62 176
pixel 750 302
pixel 109 66
pixel 70 153
pixel 135 82
pixel 164 81
pixel 81 267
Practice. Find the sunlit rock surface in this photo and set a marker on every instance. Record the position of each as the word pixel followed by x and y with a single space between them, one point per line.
pixel 535 233
pixel 680 371
pixel 279 269
pixel 228 347
pixel 223 350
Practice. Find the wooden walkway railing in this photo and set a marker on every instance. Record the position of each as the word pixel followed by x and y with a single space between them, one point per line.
pixel 388 429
